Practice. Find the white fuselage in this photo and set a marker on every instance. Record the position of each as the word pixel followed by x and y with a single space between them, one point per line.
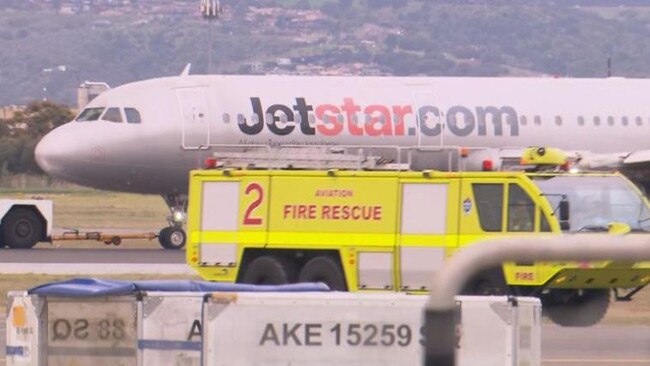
pixel 185 117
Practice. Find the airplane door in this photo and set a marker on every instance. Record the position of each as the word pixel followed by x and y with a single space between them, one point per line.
pixel 194 111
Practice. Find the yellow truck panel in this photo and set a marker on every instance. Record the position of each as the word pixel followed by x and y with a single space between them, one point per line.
pixel 334 205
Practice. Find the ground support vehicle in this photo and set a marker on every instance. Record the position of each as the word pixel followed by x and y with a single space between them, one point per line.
pixel 372 231
pixel 23 223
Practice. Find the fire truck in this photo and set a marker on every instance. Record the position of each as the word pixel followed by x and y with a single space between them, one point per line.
pixel 380 229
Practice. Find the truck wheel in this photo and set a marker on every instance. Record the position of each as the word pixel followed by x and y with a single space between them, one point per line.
pixel 172 237
pixel 267 270
pixel 323 269
pixel 579 310
pixel 21 228
pixel 488 283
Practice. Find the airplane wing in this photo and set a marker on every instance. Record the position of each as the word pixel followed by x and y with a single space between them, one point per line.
pixel 638 157
pixel 634 165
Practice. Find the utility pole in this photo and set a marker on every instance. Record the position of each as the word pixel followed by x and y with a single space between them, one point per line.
pixel 609 66
pixel 210 9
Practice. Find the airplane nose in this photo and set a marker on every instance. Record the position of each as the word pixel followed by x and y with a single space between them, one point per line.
pixel 54 150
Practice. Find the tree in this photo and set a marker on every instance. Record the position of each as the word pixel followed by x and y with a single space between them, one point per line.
pixel 20 134
pixel 43 116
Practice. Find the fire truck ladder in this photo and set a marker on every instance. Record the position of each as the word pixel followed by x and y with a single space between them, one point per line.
pixel 303 157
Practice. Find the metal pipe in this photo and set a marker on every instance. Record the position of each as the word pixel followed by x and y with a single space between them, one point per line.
pixel 439 314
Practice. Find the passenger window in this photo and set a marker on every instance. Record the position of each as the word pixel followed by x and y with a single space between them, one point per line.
pixel 596 121
pixel 489 205
pixel 132 115
pixel 112 115
pixel 538 121
pixel 558 120
pixel 581 121
pixel 625 121
pixel 523 120
pixel 521 210
pixel 226 118
pixel 90 114
pixel 610 121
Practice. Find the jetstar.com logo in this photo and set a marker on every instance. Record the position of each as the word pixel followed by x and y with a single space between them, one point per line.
pixel 353 119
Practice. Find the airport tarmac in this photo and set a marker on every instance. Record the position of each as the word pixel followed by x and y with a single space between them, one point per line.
pixel 122 261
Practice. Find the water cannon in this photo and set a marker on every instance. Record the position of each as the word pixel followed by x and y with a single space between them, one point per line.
pixel 544 157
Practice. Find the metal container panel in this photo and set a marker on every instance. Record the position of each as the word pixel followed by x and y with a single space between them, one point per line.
pixel 499 331
pixel 91 331
pixel 23 330
pixel 169 328
pixel 312 329
pixel 368 329
pixel 528 338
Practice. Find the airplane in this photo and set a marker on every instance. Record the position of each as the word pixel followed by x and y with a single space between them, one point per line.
pixel 145 136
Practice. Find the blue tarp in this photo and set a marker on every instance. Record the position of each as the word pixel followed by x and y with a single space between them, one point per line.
pixel 86 287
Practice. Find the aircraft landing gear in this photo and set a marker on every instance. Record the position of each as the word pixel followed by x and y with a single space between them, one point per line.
pixel 173 236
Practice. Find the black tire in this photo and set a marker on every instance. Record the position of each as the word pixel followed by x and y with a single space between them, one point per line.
pixel 172 238
pixel 488 283
pixel 21 229
pixel 578 310
pixel 324 269
pixel 267 270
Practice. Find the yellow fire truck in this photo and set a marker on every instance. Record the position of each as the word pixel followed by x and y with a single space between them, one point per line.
pixel 389 230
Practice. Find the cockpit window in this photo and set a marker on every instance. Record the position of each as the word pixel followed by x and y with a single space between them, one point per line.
pixel 132 115
pixel 112 115
pixel 90 114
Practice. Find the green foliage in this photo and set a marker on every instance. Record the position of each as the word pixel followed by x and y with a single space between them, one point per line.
pixel 20 134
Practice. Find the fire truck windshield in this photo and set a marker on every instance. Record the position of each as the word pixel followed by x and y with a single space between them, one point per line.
pixel 596 201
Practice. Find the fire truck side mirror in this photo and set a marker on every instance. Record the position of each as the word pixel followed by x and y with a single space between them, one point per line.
pixel 564 210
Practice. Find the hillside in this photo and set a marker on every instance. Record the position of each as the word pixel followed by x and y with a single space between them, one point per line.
pixel 48 47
